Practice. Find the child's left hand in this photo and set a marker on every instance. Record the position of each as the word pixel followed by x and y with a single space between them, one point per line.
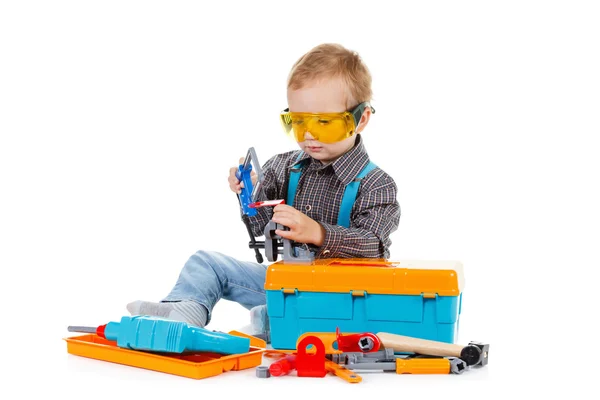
pixel 303 229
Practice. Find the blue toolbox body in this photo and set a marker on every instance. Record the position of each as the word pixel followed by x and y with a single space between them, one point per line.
pixel 421 299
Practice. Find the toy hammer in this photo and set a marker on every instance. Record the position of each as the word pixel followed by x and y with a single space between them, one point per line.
pixel 474 354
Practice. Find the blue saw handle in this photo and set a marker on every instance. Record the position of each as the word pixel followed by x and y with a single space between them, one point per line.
pixel 243 175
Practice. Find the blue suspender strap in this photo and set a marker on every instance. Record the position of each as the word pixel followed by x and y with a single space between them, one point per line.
pixel 293 183
pixel 350 195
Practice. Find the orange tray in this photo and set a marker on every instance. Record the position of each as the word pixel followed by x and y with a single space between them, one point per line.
pixel 195 366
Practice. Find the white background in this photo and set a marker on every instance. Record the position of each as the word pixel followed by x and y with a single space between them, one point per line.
pixel 119 121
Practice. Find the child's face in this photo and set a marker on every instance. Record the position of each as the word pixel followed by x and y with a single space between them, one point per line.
pixel 324 96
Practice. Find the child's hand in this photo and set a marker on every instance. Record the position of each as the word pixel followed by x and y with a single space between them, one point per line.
pixel 234 183
pixel 303 229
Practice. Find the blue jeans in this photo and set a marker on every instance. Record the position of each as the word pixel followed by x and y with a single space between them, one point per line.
pixel 209 276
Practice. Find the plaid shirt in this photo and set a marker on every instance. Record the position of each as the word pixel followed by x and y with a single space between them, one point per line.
pixel 376 212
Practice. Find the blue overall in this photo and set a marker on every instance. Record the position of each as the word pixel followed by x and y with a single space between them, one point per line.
pixel 349 193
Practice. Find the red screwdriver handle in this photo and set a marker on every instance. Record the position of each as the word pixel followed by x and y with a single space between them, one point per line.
pixel 100 331
pixel 283 366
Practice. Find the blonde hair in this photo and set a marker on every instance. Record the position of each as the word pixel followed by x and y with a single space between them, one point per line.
pixel 330 60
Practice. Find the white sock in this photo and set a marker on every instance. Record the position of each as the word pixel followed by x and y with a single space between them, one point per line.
pixel 187 311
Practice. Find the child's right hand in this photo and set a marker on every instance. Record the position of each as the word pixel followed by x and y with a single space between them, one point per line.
pixel 234 183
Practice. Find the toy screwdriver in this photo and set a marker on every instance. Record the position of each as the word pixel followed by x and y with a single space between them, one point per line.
pixel 387 361
pixel 413 366
pixel 283 366
pixel 160 335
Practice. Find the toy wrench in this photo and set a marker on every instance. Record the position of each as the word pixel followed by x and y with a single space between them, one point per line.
pixel 345 374
pixel 359 342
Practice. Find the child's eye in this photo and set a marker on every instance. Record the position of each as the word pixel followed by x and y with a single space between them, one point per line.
pixel 324 121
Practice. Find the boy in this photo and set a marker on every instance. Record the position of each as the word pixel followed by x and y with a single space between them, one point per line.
pixel 323 86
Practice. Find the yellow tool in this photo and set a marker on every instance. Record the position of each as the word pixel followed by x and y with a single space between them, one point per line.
pixel 345 374
pixel 387 361
pixel 422 366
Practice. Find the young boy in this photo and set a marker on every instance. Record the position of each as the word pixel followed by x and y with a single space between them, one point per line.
pixel 329 89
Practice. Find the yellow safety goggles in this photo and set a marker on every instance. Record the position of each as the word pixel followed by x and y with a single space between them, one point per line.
pixel 324 127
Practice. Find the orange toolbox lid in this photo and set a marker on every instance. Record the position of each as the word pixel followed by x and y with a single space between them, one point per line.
pixel 373 276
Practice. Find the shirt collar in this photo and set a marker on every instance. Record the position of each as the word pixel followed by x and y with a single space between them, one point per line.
pixel 347 166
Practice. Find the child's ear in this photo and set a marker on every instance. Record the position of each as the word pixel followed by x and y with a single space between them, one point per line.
pixel 364 120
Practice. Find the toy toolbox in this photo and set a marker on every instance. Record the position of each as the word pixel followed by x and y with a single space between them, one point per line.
pixel 194 365
pixel 418 298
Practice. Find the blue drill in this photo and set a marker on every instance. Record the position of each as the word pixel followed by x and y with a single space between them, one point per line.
pixel 166 336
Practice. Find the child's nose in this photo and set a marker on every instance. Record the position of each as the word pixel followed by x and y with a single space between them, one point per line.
pixel 308 136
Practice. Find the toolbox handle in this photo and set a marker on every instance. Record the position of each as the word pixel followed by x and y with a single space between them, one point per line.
pixel 357 263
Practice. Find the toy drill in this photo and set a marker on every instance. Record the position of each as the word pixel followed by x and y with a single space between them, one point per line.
pixel 154 334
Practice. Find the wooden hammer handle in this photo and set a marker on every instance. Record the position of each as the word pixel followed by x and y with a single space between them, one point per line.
pixel 409 344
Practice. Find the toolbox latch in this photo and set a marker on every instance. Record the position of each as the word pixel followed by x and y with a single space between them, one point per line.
pixel 289 291
pixel 429 295
pixel 358 293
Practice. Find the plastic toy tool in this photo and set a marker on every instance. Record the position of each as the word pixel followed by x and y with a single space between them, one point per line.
pixel 159 335
pixel 266 203
pixel 249 192
pixel 249 195
pixel 476 353
pixel 360 342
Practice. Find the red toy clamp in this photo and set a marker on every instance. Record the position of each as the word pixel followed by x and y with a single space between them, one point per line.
pixel 360 342
pixel 311 365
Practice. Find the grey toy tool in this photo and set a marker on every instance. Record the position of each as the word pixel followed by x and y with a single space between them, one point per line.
pixel 291 252
pixel 385 360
